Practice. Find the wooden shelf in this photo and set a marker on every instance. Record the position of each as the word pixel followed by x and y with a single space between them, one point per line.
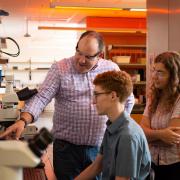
pixel 136 68
pixel 130 65
pixel 129 45
pixel 140 83
pixel 135 52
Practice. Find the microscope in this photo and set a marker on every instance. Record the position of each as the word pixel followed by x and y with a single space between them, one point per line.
pixel 14 155
pixel 9 111
pixel 8 106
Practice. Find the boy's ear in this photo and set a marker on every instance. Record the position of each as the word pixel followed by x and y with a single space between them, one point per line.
pixel 114 94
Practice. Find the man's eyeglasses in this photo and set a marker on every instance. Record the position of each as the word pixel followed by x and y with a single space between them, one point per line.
pixel 88 57
pixel 96 94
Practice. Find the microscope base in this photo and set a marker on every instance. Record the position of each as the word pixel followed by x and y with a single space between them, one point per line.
pixel 9 173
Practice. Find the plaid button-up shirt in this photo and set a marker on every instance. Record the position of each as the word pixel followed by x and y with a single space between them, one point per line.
pixel 75 118
pixel 163 154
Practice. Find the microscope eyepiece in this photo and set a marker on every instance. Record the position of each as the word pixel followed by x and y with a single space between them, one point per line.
pixel 40 141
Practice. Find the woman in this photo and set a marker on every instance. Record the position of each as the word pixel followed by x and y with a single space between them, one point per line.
pixel 161 118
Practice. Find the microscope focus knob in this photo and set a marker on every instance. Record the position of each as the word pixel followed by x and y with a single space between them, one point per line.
pixel 40 142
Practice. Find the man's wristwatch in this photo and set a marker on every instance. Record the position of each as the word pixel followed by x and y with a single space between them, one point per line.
pixel 24 120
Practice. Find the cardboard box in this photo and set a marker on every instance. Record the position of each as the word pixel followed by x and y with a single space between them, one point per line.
pixel 121 59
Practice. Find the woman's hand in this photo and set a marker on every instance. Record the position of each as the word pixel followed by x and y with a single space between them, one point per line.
pixel 170 135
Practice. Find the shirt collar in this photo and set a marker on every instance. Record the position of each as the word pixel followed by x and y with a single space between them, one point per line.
pixel 96 65
pixel 112 127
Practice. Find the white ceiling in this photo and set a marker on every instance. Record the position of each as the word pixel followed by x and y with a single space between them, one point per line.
pixel 44 44
pixel 38 12
pixel 41 8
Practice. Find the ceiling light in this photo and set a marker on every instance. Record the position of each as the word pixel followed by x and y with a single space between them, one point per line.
pixel 134 9
pixel 27 34
pixel 91 5
pixel 65 4
pixel 95 29
pixel 100 8
pixel 88 8
pixel 137 9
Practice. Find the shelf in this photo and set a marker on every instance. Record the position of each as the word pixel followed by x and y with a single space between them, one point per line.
pixel 32 62
pixel 133 45
pixel 135 52
pixel 138 74
pixel 129 53
pixel 140 83
pixel 39 70
pixel 27 70
pixel 135 65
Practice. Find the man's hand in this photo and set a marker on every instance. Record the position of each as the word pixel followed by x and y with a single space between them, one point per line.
pixel 14 131
pixel 170 135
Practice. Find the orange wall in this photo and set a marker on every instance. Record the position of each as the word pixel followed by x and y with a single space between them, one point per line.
pixel 116 22
pixel 125 38
pixel 123 24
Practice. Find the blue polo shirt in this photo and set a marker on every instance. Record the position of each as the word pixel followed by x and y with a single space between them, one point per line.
pixel 125 150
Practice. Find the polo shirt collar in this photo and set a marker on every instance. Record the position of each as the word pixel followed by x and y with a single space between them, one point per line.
pixel 112 127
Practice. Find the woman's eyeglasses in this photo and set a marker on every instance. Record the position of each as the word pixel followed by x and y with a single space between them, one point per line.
pixel 159 73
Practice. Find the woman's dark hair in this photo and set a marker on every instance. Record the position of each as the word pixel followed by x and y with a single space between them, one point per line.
pixel 95 35
pixel 171 61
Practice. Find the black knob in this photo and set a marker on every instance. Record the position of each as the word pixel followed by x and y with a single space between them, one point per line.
pixel 40 141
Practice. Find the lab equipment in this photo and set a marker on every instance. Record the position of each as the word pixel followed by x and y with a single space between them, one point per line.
pixel 14 155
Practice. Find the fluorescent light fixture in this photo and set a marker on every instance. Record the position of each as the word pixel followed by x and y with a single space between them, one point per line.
pixel 89 8
pixel 134 9
pixel 66 4
pixel 99 8
pixel 95 29
pixel 92 5
pixel 138 9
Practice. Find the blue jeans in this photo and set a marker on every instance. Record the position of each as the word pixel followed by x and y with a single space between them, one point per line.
pixel 70 159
